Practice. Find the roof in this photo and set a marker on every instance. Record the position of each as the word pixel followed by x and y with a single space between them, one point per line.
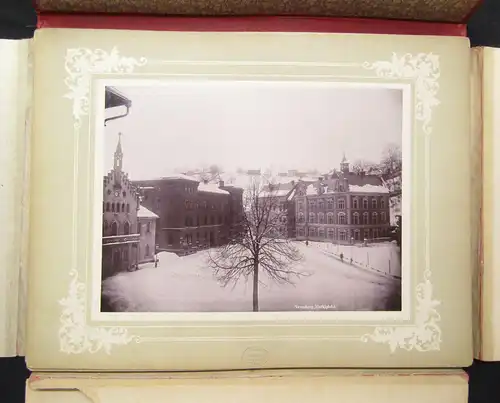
pixel 358 179
pixel 211 188
pixel 143 212
pixel 180 177
pixel 114 98
pixel 368 189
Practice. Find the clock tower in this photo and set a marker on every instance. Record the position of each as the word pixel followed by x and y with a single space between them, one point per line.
pixel 118 161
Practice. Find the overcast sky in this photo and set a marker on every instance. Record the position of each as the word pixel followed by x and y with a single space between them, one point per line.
pixel 251 125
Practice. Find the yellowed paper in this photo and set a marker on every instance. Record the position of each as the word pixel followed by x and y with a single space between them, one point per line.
pixel 67 330
pixel 490 280
pixel 266 386
pixel 13 151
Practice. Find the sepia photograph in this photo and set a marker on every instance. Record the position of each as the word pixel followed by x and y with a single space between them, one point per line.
pixel 251 196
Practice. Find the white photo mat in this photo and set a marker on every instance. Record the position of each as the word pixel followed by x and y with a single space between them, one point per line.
pixel 84 329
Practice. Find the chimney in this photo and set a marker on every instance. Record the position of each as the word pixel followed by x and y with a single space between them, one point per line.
pixel 221 183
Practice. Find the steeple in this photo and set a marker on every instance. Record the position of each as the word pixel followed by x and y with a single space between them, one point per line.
pixel 117 166
pixel 344 164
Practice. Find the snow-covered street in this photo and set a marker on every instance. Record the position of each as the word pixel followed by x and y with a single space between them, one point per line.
pixel 186 284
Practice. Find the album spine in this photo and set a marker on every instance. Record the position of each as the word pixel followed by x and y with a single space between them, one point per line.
pixel 248 24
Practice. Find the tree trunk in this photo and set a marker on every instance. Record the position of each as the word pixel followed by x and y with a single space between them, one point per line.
pixel 256 286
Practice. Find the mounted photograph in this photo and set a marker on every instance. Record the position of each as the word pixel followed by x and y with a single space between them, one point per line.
pixel 251 196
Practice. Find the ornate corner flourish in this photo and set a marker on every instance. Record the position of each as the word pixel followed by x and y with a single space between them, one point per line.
pixel 423 70
pixel 425 334
pixel 75 335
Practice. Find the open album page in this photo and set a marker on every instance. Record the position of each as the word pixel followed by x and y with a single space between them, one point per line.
pixel 14 102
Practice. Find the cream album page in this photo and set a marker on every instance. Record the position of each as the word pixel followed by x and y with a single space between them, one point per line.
pixel 266 386
pixel 490 279
pixel 249 200
pixel 14 102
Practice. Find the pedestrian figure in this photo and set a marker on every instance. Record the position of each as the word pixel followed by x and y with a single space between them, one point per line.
pixel 341 257
pixel 156 262
pixel 307 243
pixel 351 260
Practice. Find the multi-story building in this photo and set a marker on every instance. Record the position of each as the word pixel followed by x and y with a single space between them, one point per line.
pixel 119 227
pixel 192 215
pixel 345 207
pixel 146 227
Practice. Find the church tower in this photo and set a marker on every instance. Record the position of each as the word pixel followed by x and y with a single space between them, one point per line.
pixel 118 161
pixel 344 165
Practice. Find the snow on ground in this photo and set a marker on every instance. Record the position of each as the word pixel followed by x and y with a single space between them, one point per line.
pixel 186 284
pixel 378 256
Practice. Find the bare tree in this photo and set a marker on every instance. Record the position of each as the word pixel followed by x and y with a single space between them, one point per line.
pixel 363 166
pixel 261 247
pixel 392 160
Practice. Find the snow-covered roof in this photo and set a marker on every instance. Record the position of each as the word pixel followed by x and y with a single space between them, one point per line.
pixel 290 197
pixel 181 176
pixel 211 188
pixel 368 189
pixel 145 213
pixel 274 193
pixel 311 190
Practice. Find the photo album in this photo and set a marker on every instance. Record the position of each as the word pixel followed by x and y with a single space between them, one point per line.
pixel 193 196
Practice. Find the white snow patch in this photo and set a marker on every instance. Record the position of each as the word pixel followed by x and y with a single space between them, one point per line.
pixel 211 188
pixel 368 189
pixel 145 213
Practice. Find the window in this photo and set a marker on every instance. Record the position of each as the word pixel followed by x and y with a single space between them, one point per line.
pixel 113 207
pixel 301 231
pixel 114 228
pixel 149 227
pixel 282 206
pixel 312 204
pixel 123 208
pixel 382 203
pixel 382 217
pixel 375 233
pixel 321 204
pixel 355 203
pixel 366 219
pixel 321 218
pixel 312 217
pixel 374 218
pixel 331 233
pixel 147 250
pixel 300 218
pixel 109 192
pixel 312 231
pixel 104 227
pixel 321 233
pixel 330 204
pixel 367 234
pixel 374 203
pixel 128 208
pixel 356 235
pixel 342 235
pixel 341 217
pixel 124 194
pixel 126 228
pixel 341 204
pixel 283 219
pixel 108 206
pixel 300 205
pixel 329 218
pixel 341 188
pixel 355 218
pixel 365 203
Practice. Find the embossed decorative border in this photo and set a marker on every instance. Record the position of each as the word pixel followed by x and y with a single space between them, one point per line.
pixel 76 336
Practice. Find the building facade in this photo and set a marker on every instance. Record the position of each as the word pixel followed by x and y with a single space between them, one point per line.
pixel 146 228
pixel 345 207
pixel 193 215
pixel 119 226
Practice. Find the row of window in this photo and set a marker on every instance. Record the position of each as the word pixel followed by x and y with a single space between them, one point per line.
pixel 190 205
pixel 116 207
pixel 342 235
pixel 207 220
pixel 342 218
pixel 114 228
pixel 341 204
pixel 199 238
pixel 124 194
